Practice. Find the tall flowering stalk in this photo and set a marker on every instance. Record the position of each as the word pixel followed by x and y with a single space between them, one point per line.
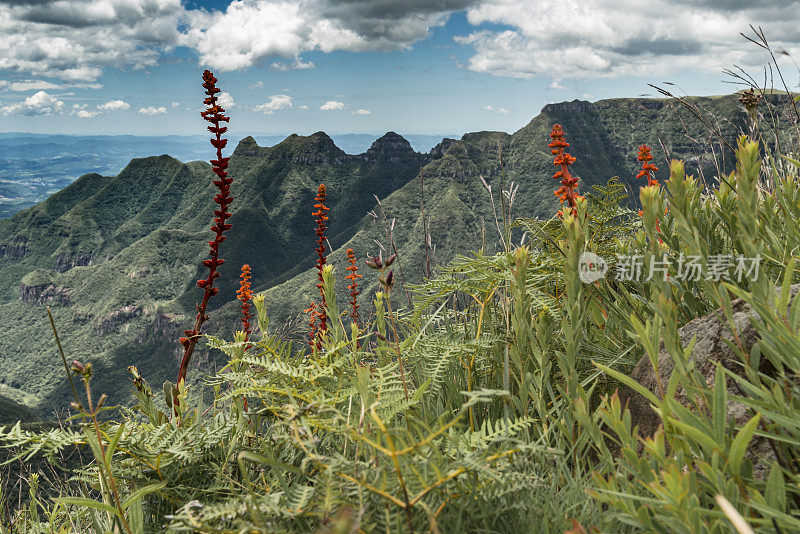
pixel 647 172
pixel 215 114
pixel 353 287
pixel 322 225
pixel 647 168
pixel 244 294
pixel 567 192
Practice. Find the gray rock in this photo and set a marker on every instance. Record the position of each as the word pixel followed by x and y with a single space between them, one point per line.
pixel 709 349
pixel 44 294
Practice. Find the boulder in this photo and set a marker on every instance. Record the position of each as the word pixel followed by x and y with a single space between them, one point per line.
pixel 709 349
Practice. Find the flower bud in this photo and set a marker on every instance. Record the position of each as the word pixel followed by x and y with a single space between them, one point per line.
pixel 374 263
pixel 82 369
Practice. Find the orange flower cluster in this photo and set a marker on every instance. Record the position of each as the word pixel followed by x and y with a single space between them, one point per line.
pixel 567 192
pixel 647 168
pixel 312 324
pixel 647 172
pixel 215 114
pixel 244 295
pixel 353 287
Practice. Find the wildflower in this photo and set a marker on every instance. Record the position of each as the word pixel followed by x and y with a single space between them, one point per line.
pixel 322 218
pixel 353 287
pixel 244 295
pixel 82 369
pixel 215 114
pixel 647 172
pixel 647 168
pixel 375 263
pixel 565 193
pixel 311 311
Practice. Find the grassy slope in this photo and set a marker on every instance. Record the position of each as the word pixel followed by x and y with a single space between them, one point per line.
pixel 145 230
pixel 11 412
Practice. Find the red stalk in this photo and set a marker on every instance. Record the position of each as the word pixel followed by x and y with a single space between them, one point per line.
pixel 214 114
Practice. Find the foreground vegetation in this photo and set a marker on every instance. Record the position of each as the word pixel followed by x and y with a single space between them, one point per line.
pixel 490 404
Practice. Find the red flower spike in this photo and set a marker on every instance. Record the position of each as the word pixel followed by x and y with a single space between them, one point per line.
pixel 353 287
pixel 647 168
pixel 321 217
pixel 565 193
pixel 214 114
pixel 245 295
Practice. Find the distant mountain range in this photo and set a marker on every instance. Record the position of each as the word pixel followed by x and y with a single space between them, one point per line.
pixel 34 166
pixel 116 257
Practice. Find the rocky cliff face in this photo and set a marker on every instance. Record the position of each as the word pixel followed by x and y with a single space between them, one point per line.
pixel 439 150
pixel 14 250
pixel 118 318
pixel 65 261
pixel 576 106
pixel 44 294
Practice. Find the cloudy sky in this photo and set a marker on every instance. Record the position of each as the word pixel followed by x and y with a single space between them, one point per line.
pixel 363 66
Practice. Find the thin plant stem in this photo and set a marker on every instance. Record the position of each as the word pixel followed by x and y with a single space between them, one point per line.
pixel 63 358
pixel 396 340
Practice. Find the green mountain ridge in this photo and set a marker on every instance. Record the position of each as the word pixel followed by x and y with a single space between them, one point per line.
pixel 116 258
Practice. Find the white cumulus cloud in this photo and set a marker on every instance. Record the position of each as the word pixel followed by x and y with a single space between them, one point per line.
pixel 501 111
pixel 152 110
pixel 248 32
pixel 275 103
pixel 40 103
pixel 362 112
pixel 225 100
pixel 332 105
pixel 114 105
pixel 86 114
pixel 73 40
pixel 297 64
pixel 603 38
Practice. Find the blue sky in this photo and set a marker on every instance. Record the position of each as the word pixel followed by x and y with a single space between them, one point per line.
pixel 362 66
